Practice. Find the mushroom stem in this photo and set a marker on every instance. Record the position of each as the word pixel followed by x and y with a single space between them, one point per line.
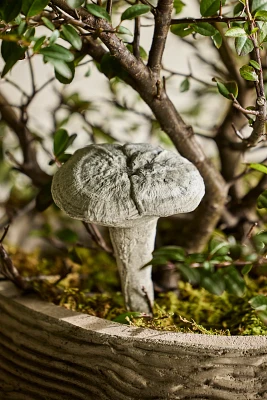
pixel 133 249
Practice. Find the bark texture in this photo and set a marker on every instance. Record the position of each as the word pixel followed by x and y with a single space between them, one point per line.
pixel 48 352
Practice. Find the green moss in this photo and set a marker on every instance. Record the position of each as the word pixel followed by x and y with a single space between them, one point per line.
pixel 196 310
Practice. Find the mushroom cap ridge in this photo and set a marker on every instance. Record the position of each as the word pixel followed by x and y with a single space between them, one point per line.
pixel 115 185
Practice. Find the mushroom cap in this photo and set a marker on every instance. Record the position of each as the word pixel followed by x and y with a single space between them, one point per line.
pixel 119 185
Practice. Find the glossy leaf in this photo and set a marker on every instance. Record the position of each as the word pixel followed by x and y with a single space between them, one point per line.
pixel 262 200
pixel 236 31
pixel 11 53
pixel 70 69
pixel 124 31
pixel 258 5
pixel 48 23
pixel 178 6
pixel 182 30
pixel 54 37
pixel 61 67
pixel 255 65
pixel 217 39
pixel 243 46
pixel 9 9
pixel 62 141
pixel 209 7
pixel 38 43
pixel 61 138
pixel 248 73
pixel 33 7
pixel 261 15
pixel 72 36
pixel 259 302
pixel 185 85
pixel 74 3
pixel 135 11
pixel 98 11
pixel 227 89
pixel 204 29
pixel 263 33
pixel 57 52
pixel 259 167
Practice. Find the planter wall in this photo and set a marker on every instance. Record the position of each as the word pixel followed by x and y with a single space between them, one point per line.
pixel 48 352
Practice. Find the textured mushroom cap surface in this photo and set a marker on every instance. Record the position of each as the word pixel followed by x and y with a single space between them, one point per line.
pixel 115 185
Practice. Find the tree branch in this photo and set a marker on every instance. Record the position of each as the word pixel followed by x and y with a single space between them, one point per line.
pixel 30 166
pixel 162 22
pixel 219 18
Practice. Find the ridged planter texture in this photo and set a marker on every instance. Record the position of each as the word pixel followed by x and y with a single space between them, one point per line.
pixel 48 352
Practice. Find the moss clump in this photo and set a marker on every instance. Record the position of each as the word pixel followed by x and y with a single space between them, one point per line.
pixel 195 311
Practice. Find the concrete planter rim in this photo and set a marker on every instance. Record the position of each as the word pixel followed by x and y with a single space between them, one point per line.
pixel 123 333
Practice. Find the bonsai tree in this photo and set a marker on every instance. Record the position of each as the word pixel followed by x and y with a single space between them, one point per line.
pixel 66 34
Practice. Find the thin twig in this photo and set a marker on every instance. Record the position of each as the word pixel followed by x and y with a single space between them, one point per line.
pixel 96 236
pixel 219 18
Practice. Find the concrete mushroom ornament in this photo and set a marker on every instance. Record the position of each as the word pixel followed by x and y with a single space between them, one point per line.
pixel 127 188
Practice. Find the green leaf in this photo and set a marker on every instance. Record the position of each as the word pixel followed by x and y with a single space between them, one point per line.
pixel 246 269
pixel 209 7
pixel 238 9
pixel 67 235
pixel 261 15
pixel 54 37
pixel 258 5
pixel 178 6
pixel 243 46
pixel 182 30
pixel 61 67
pixel 263 33
pixel 72 36
pixel 38 43
pixel 236 31
pixel 48 23
pixel 259 167
pixel 185 85
pixel 259 302
pixel 64 157
pixel 61 138
pixel 134 11
pixel 248 73
pixel 44 198
pixel 204 29
pixel 57 52
pixel 228 88
pixel 33 7
pixel 9 9
pixel 11 53
pixel 171 253
pixel 98 11
pixel 217 39
pixel 74 3
pixel 255 65
pixel 234 283
pixel 262 200
pixel 124 31
pixel 213 283
pixel 191 274
pixel 67 68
